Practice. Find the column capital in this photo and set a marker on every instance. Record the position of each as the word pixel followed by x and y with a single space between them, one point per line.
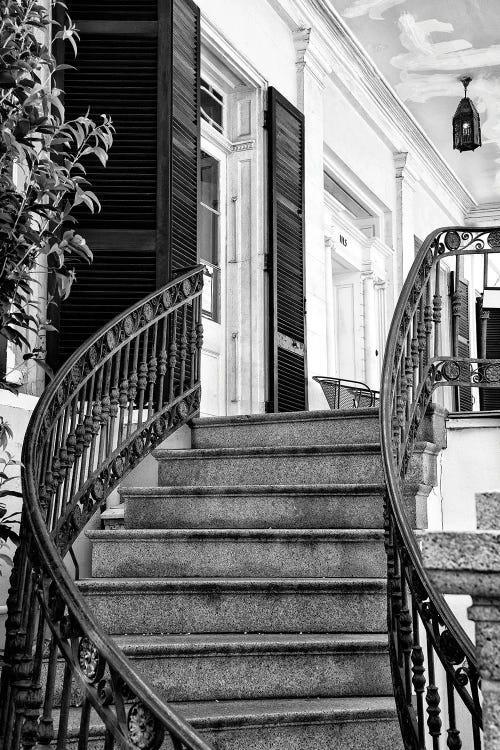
pixel 406 168
pixel 311 55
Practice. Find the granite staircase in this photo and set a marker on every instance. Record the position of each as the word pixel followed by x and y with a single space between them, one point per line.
pixel 249 585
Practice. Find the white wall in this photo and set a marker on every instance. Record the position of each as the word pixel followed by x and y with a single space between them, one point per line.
pixel 351 138
pixel 260 35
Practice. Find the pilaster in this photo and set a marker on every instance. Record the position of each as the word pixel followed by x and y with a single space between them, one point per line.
pixel 311 69
pixel 406 180
pixel 329 308
pixel 370 325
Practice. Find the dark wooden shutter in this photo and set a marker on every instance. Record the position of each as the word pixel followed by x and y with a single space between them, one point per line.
pixel 138 62
pixel 490 397
pixel 287 332
pixel 464 394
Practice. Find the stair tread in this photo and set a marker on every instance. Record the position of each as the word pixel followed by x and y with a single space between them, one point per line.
pixel 258 489
pixel 293 584
pixel 266 711
pixel 218 643
pixel 163 454
pixel 292 416
pixel 151 534
pixel 294 709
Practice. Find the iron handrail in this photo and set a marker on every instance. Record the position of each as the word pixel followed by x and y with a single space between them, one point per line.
pixel 415 365
pixel 120 394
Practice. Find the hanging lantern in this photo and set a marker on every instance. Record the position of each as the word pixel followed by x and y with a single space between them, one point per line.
pixel 466 123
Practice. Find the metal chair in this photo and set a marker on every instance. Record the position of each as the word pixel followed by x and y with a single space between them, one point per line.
pixel 347 394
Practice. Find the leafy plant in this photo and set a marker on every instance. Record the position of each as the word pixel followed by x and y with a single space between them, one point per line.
pixel 7 522
pixel 42 177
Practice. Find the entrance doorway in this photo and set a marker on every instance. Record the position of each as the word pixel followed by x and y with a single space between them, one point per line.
pixel 212 249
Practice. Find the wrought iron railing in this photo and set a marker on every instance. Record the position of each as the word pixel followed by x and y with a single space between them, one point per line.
pixel 428 647
pixel 116 398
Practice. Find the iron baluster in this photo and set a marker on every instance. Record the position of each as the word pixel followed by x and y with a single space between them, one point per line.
pixel 123 392
pixel 453 741
pixel 105 411
pixel 142 380
pixel 114 400
pixel 83 734
pixel 46 731
pixel 172 356
pixel 418 669
pixel 437 305
pixel 183 350
pixel 96 420
pixel 428 321
pixel 62 731
pixel 152 372
pixel 406 636
pixel 132 385
pixel 163 360
pixel 433 699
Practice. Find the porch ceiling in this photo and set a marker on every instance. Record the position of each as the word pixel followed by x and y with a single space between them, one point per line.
pixel 423 48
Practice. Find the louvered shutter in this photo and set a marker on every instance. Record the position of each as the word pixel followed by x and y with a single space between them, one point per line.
pixel 138 62
pixel 490 397
pixel 287 334
pixel 464 394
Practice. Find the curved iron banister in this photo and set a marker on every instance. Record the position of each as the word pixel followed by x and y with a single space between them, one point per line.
pixel 119 395
pixel 424 635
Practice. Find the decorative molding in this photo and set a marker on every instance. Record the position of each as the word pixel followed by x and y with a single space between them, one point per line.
pixel 406 169
pixel 485 215
pixel 243 146
pixel 311 54
pixel 372 93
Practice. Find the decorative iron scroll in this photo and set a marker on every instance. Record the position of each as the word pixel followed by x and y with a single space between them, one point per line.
pixel 123 392
pixel 427 644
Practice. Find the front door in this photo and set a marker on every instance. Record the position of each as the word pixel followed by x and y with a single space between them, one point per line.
pixel 212 234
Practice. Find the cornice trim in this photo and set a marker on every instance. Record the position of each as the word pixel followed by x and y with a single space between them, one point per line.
pixel 349 57
pixel 487 214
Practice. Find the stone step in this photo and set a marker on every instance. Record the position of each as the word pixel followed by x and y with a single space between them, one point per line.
pixel 367 723
pixel 251 507
pixel 294 428
pixel 290 553
pixel 323 464
pixel 238 605
pixel 248 667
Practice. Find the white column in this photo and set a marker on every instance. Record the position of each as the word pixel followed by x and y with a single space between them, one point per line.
pixel 329 308
pixel 380 292
pixel 312 68
pixel 370 327
pixel 405 221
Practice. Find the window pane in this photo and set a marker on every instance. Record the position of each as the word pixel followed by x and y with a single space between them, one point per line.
pixel 209 236
pixel 209 181
pixel 211 106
